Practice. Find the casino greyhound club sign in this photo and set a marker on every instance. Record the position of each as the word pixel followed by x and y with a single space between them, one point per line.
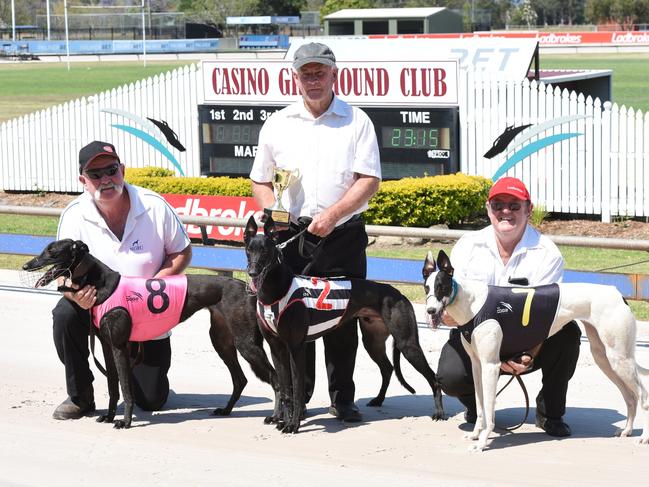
pixel 358 82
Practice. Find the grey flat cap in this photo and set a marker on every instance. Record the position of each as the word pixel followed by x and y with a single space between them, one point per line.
pixel 313 52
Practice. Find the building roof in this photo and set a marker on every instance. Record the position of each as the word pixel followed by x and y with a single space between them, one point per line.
pixel 384 13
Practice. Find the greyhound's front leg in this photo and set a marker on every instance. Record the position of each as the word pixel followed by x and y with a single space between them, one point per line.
pixel 490 374
pixel 113 383
pixel 298 370
pixel 125 379
pixel 485 360
pixel 281 361
pixel 476 370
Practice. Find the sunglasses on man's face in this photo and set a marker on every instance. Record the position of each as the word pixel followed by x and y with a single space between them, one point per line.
pixel 501 205
pixel 104 171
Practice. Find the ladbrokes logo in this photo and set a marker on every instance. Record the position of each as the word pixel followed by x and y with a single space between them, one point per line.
pixel 133 297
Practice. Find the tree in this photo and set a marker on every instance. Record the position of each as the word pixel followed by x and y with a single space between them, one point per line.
pixel 280 7
pixel 622 12
pixel 25 12
pixel 331 6
pixel 211 12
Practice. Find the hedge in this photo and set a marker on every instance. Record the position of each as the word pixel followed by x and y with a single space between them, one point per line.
pixel 412 202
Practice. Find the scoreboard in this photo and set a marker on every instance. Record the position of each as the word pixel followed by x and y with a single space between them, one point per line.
pixel 413 141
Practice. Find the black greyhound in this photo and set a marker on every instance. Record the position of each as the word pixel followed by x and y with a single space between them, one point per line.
pixel 232 315
pixel 287 312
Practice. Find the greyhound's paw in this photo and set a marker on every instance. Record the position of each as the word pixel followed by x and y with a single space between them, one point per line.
pixel 106 418
pixel 270 420
pixel 472 435
pixel 280 425
pixel 221 412
pixel 643 440
pixel 290 429
pixel 376 402
pixel 439 416
pixel 476 448
pixel 623 432
pixel 120 424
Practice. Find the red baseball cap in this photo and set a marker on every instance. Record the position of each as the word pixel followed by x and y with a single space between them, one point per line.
pixel 511 186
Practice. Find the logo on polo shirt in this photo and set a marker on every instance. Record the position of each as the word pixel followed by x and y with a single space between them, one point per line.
pixel 137 246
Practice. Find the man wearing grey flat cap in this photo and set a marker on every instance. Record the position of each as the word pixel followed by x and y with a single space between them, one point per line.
pixel 333 147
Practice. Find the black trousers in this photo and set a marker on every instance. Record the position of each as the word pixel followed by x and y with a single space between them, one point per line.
pixel 150 383
pixel 557 360
pixel 342 253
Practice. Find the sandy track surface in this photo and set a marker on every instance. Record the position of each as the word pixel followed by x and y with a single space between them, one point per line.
pixel 397 444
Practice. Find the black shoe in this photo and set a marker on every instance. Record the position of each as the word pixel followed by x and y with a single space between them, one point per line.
pixel 347 412
pixel 76 407
pixel 553 427
pixel 470 416
pixel 73 409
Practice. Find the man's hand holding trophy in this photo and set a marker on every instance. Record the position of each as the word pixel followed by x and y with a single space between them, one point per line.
pixel 282 179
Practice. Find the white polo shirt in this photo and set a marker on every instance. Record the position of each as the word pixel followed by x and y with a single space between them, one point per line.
pixel 152 231
pixel 328 151
pixel 475 256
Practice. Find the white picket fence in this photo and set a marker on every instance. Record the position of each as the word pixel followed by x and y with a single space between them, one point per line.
pixel 600 172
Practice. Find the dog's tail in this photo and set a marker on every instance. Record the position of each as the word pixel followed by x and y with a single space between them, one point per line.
pixel 396 359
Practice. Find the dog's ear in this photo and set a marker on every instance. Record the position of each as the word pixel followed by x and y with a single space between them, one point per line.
pixel 270 230
pixel 251 229
pixel 79 248
pixel 429 265
pixel 444 263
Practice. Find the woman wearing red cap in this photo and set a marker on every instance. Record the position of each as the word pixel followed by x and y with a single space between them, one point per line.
pixel 506 253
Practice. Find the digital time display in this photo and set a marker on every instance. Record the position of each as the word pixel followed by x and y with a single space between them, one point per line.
pixel 422 137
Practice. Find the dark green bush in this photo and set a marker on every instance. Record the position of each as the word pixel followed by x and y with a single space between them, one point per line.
pixel 410 202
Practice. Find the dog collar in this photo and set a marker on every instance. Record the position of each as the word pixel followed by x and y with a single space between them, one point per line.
pixel 454 293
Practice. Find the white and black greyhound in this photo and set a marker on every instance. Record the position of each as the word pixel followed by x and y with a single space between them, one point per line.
pixel 128 313
pixel 495 327
pixel 293 310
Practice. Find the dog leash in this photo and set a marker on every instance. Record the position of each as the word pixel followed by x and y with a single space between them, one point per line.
pixel 138 358
pixel 527 401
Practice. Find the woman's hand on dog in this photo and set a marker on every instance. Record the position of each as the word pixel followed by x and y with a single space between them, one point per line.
pixel 517 368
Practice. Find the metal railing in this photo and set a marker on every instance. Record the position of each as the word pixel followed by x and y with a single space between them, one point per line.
pixel 375 230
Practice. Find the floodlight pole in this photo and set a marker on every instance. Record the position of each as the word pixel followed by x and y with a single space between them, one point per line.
pixel 13 20
pixel 67 38
pixel 143 36
pixel 47 3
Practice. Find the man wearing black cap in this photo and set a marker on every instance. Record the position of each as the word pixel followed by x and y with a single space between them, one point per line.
pixel 135 232
pixel 333 147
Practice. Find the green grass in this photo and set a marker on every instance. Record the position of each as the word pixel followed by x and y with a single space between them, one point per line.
pixel 28 87
pixel 630 73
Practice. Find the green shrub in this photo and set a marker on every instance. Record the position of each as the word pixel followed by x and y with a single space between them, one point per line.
pixel 422 202
pixel 148 171
pixel 411 202
pixel 223 186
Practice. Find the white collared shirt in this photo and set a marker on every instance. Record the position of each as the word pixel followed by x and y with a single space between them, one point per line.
pixel 152 231
pixel 328 151
pixel 475 256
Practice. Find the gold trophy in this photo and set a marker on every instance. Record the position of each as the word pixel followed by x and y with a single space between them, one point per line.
pixel 282 179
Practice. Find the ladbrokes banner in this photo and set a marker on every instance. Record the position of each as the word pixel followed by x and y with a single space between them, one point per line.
pixel 214 206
